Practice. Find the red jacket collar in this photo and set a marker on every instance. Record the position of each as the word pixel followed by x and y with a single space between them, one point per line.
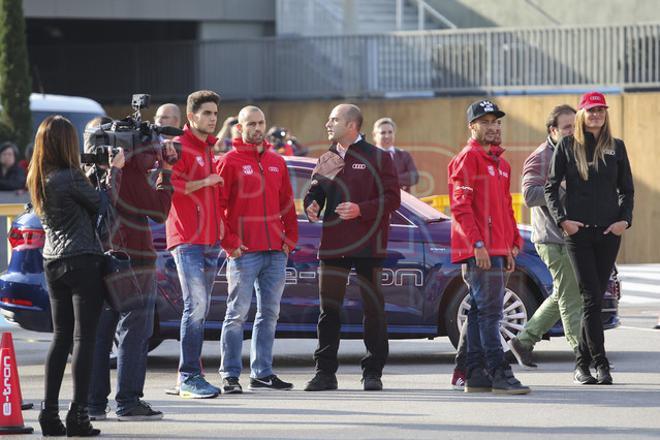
pixel 494 150
pixel 195 141
pixel 244 147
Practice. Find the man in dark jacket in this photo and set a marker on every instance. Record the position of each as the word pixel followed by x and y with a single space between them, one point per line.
pixel 485 240
pixel 384 135
pixel 357 185
pixel 137 202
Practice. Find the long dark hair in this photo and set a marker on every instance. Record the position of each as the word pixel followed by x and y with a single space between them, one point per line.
pixel 55 147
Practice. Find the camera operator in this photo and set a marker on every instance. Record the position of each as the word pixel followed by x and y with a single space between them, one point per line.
pixel 138 201
pixel 67 205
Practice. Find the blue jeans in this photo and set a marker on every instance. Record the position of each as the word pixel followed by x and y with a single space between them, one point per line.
pixel 133 330
pixel 265 273
pixel 196 265
pixel 486 288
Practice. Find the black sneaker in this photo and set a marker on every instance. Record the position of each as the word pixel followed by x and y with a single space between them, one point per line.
pixel 230 385
pixel 143 411
pixel 603 376
pixel 583 377
pixel 271 382
pixel 505 383
pixel 478 381
pixel 372 383
pixel 322 382
pixel 523 354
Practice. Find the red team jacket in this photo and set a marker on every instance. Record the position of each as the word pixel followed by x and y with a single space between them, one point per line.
pixel 257 199
pixel 194 218
pixel 480 200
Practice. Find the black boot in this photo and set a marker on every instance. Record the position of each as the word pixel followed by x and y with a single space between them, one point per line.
pixel 77 422
pixel 49 419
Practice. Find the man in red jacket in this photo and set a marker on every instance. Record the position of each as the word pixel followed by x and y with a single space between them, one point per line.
pixel 194 230
pixel 485 240
pixel 261 230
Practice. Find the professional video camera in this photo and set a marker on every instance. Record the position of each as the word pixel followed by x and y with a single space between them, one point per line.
pixel 132 134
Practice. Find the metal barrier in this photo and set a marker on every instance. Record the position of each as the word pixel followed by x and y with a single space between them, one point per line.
pixel 393 64
pixel 441 203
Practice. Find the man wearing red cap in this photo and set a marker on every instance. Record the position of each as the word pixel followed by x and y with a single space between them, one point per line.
pixel 485 240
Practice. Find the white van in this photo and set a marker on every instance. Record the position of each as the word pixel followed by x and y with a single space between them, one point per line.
pixel 76 109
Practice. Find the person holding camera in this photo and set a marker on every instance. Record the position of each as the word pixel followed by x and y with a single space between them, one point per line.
pixel 194 231
pixel 137 203
pixel 67 205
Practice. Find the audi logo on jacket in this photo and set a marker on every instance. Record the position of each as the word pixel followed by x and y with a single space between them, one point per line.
pixel 605 198
pixel 480 201
pixel 365 176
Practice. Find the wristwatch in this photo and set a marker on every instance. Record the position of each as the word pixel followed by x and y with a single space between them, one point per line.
pixel 479 245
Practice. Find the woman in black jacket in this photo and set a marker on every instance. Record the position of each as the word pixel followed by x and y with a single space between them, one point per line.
pixel 599 206
pixel 67 205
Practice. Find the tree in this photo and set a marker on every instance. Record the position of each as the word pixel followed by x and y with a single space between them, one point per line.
pixel 15 82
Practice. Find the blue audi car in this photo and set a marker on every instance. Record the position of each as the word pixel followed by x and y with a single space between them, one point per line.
pixel 424 293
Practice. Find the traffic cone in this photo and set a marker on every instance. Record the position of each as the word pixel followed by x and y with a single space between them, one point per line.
pixel 11 417
pixel 8 341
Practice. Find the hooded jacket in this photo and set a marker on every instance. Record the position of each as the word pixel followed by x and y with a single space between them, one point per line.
pixel 256 199
pixel 194 218
pixel 480 200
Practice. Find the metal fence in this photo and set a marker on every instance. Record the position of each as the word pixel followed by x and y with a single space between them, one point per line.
pixel 412 63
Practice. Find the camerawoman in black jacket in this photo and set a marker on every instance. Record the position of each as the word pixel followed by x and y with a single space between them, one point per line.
pixel 599 207
pixel 67 205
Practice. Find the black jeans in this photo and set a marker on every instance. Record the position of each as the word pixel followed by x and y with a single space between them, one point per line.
pixel 332 288
pixel 75 288
pixel 593 255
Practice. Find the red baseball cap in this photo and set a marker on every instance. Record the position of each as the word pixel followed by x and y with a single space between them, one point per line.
pixel 591 100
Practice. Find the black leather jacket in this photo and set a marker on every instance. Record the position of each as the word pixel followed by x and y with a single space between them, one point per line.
pixel 71 203
pixel 606 197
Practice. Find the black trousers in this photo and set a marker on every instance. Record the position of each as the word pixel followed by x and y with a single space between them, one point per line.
pixel 593 255
pixel 332 288
pixel 75 288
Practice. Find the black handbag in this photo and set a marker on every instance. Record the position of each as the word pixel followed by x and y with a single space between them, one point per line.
pixel 121 284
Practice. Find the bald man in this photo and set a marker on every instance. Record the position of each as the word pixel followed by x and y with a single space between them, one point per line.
pixel 168 115
pixel 356 183
pixel 261 230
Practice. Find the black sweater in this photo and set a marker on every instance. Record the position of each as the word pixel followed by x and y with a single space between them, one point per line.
pixel 605 198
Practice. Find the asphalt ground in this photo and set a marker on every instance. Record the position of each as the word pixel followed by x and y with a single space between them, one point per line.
pixel 417 402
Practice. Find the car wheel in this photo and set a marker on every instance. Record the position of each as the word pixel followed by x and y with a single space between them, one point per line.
pixel 519 306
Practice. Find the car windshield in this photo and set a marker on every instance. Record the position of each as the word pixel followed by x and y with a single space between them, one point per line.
pixel 422 209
